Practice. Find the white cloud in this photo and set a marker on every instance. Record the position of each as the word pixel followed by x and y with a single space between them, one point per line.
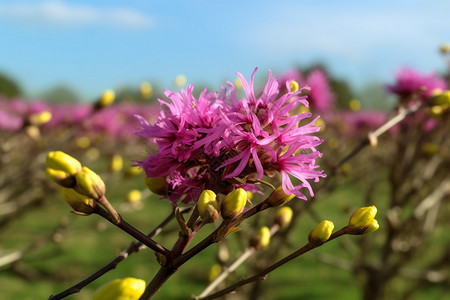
pixel 58 13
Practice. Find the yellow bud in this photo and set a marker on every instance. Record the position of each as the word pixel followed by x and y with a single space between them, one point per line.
pixel 249 195
pixel 107 98
pixel 41 118
pixel 234 203
pixel 116 163
pixel 430 148
pixel 93 153
pixel 445 48
pixel 214 272
pixel 207 205
pixel 283 216
pixel 133 171
pixel 362 219
pixel 134 196
pixel 157 185
pixel 61 161
pixel 60 177
pixel 81 204
pixel 262 239
pixel 146 90
pixel 372 226
pixel 89 183
pixel 436 111
pixel 83 142
pixel 293 85
pixel 442 98
pixel 121 289
pixel 278 197
pixel 321 233
pixel 354 105
pixel 180 80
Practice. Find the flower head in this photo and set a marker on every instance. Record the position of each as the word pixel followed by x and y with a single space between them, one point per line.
pixel 217 141
pixel 409 81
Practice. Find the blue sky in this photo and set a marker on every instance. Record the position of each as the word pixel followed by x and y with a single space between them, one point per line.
pixel 95 45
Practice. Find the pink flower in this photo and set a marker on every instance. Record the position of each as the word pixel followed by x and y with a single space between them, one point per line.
pixel 409 81
pixel 217 141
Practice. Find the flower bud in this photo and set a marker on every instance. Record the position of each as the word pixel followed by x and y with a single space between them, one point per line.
pixel 321 233
pixel 116 163
pixel 133 171
pixel 41 118
pixel 214 272
pixel 278 197
pixel 61 161
pixel 89 183
pixel 362 217
pixel 134 196
pixel 106 99
pixel 146 90
pixel 81 204
pixel 180 80
pixel 157 185
pixel 283 216
pixel 362 220
pixel 61 168
pixel 373 226
pixel 120 289
pixel 441 99
pixel 445 48
pixel 262 239
pixel 207 205
pixel 234 203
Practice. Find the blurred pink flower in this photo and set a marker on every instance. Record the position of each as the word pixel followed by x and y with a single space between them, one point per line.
pixel 409 81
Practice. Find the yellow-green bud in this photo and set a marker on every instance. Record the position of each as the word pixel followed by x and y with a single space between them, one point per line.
pixel 61 161
pixel 180 80
pixel 116 163
pixel 134 196
pixel 321 233
pixel 283 216
pixel 214 272
pixel 207 205
pixel 89 183
pixel 146 90
pixel 107 98
pixel 262 239
pixel 445 48
pixel 278 197
pixel 293 85
pixel 234 203
pixel 133 171
pixel 372 226
pixel 442 98
pixel 157 185
pixel 362 217
pixel 121 289
pixel 41 118
pixel 81 204
pixel 61 168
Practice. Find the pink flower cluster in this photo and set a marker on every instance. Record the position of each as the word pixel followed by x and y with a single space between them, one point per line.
pixel 217 141
pixel 409 81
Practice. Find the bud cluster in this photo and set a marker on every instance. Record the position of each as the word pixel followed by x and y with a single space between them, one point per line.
pixel 81 187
